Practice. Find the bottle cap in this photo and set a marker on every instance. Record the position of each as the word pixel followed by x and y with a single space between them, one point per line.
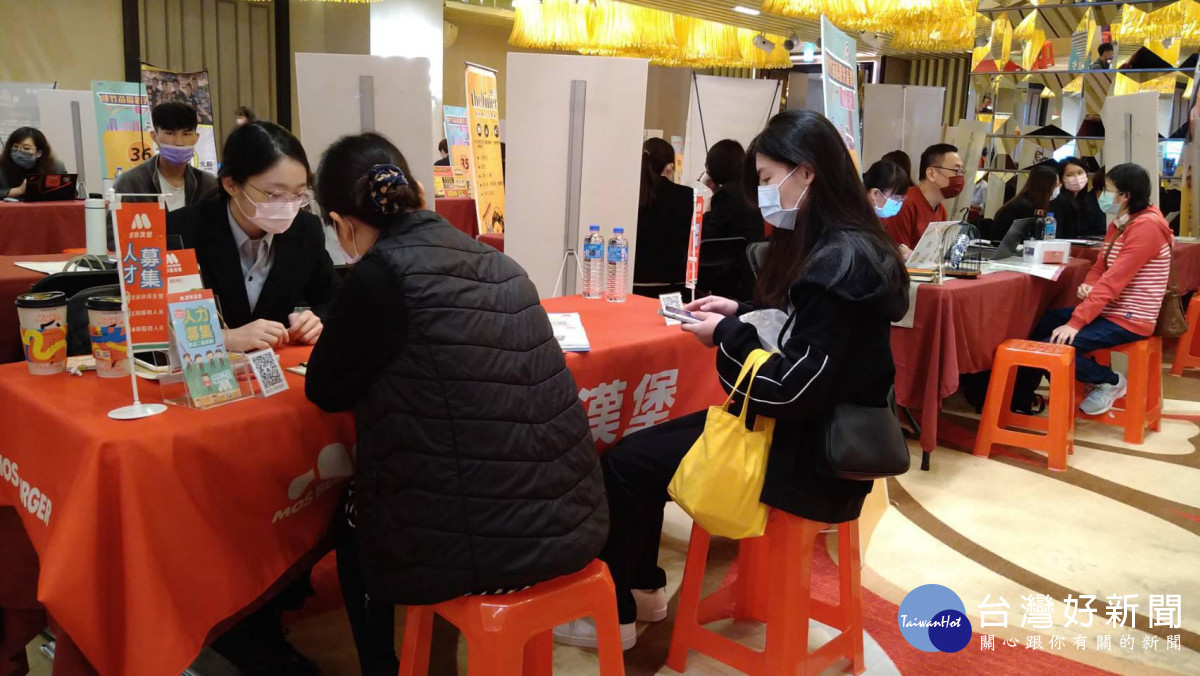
pixel 1050 215
pixel 594 228
pixel 619 231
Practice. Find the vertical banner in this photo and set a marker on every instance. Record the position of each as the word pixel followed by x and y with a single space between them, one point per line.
pixel 458 138
pixel 677 144
pixel 693 256
pixel 142 257
pixel 122 117
pixel 192 89
pixel 487 168
pixel 839 70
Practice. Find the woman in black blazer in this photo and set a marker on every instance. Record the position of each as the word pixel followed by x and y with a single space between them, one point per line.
pixel 262 257
pixel 1076 209
pixel 664 218
pixel 731 214
pixel 1040 189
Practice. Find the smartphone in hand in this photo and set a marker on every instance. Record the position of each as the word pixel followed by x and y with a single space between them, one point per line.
pixel 679 315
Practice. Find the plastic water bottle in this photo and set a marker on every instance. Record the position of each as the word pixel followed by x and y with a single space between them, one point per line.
pixel 618 266
pixel 1051 228
pixel 593 264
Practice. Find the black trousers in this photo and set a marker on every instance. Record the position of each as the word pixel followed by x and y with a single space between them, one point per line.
pixel 373 624
pixel 636 474
pixel 1101 333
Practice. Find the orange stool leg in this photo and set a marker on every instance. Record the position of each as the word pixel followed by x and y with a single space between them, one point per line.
pixel 1156 387
pixel 995 404
pixel 687 624
pixel 1137 394
pixel 1183 348
pixel 539 655
pixel 418 633
pixel 608 634
pixel 850 592
pixel 789 608
pixel 1062 417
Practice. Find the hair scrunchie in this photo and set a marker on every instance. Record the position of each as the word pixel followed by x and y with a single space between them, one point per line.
pixel 383 178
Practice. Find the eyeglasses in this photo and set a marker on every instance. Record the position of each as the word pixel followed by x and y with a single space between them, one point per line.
pixel 304 197
pixel 953 172
pixel 26 148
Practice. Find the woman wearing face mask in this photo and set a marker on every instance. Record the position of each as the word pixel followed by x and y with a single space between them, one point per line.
pixel 664 219
pixel 1076 208
pixel 1041 188
pixel 841 282
pixel 1121 297
pixel 476 469
pixel 886 183
pixel 26 154
pixel 258 252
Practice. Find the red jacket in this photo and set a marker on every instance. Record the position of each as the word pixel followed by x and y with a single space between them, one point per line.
pixel 1128 285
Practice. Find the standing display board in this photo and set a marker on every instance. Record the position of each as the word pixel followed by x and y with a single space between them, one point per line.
pixel 458 142
pixel 56 108
pixel 1131 135
pixel 487 160
pixel 123 124
pixel 721 108
pixel 539 98
pixel 193 89
pixel 839 71
pixel 341 94
pixel 904 117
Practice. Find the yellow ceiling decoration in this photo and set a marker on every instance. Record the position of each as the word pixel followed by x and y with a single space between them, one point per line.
pixel 801 9
pixel 618 29
pixel 757 58
pixel 956 35
pixel 551 25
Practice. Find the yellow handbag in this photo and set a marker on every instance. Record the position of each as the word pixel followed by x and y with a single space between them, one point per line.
pixel 721 478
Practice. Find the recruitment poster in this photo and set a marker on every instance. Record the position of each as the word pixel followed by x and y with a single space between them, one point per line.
pixel 487 168
pixel 192 89
pixel 839 70
pixel 142 257
pixel 123 123
pixel 458 138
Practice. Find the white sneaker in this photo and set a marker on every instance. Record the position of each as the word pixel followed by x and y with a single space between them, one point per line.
pixel 581 633
pixel 1101 398
pixel 651 604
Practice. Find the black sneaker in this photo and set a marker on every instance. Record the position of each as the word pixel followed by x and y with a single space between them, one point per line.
pixel 258 646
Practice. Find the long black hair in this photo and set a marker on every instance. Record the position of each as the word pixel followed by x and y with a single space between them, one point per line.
pixel 1038 187
pixel 255 147
pixel 724 162
pixel 343 185
pixel 888 178
pixel 1132 180
pixel 835 205
pixel 44 164
pixel 656 155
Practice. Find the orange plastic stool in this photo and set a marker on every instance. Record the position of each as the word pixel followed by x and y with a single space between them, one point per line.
pixel 1058 428
pixel 511 634
pixel 1142 405
pixel 772 586
pixel 1184 358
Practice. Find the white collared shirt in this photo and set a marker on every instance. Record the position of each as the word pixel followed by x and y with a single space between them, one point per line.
pixel 257 256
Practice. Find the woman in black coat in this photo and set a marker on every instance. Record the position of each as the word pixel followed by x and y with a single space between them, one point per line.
pixel 260 254
pixel 841 280
pixel 731 215
pixel 664 218
pixel 476 471
pixel 1076 210
pixel 1040 189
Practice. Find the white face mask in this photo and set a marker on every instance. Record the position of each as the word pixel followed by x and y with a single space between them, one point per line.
pixel 1075 183
pixel 273 218
pixel 772 211
pixel 351 258
pixel 1054 195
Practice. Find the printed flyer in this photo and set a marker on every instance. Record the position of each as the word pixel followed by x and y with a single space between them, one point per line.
pixel 200 348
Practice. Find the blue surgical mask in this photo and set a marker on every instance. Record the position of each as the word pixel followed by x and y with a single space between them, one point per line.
pixel 890 208
pixel 1106 203
pixel 772 211
pixel 23 159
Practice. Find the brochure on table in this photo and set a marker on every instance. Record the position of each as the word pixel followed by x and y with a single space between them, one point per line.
pixel 568 331
pixel 199 346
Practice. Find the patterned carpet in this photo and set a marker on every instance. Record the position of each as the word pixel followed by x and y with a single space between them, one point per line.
pixel 1122 521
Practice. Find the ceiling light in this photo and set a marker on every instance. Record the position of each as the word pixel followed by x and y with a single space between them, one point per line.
pixel 746 10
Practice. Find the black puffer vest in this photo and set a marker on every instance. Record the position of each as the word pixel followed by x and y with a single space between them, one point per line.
pixel 476 468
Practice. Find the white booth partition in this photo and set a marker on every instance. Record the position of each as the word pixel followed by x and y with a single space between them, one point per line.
pixel 721 108
pixel 901 117
pixel 69 118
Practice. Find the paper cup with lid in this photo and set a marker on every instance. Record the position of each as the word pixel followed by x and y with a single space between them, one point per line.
pixel 43 318
pixel 106 330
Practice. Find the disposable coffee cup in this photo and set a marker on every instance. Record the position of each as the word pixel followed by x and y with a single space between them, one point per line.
pixel 43 319
pixel 106 328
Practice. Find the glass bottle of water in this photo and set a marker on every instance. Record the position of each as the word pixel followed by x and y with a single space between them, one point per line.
pixel 593 264
pixel 618 266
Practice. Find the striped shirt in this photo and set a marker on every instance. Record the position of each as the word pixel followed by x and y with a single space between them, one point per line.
pixel 1129 283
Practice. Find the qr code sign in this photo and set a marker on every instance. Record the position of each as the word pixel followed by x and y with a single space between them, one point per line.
pixel 266 369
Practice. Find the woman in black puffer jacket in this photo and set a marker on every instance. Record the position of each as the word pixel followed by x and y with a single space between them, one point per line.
pixel 476 469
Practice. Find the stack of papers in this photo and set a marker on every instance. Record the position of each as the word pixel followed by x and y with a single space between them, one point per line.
pixel 568 331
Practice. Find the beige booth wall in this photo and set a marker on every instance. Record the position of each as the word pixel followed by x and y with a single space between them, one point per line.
pixel 72 43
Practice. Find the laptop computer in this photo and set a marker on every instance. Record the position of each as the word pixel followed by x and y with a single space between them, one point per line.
pixel 51 188
pixel 1020 230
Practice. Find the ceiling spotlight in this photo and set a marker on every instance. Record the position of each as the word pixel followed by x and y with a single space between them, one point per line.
pixel 764 44
pixel 790 43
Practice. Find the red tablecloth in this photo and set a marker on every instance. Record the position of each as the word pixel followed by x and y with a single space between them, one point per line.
pixel 40 227
pixel 460 211
pixel 13 282
pixel 1187 263
pixel 957 328
pixel 155 531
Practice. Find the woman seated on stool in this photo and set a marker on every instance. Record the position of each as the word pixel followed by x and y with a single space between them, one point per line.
pixel 27 153
pixel 1076 210
pixel 476 468
pixel 1121 297
pixel 840 278
pixel 1040 190
pixel 263 258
